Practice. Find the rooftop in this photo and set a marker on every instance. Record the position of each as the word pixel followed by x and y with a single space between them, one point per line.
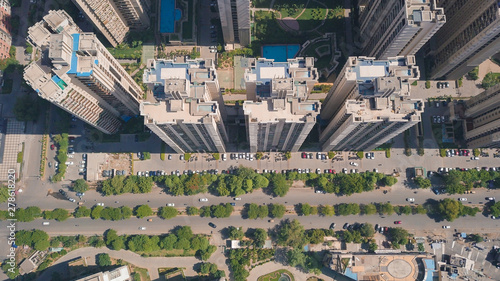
pixel 119 274
pixel 170 79
pixel 393 108
pixel 187 110
pixel 292 110
pixel 376 77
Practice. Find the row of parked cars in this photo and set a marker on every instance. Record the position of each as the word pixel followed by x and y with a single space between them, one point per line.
pixel 151 173
pixel 438 119
pixel 459 152
pixel 63 193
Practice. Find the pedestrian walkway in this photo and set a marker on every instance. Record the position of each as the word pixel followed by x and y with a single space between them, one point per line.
pixel 151 263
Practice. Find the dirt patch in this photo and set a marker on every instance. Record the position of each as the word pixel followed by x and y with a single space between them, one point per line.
pixel 118 161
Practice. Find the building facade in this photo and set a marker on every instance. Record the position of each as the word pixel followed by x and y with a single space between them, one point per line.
pixel 470 36
pixel 114 18
pixel 235 21
pixel 390 28
pixel 78 74
pixel 278 115
pixel 482 119
pixel 5 36
pixel 370 103
pixel 279 124
pixel 363 125
pixel 188 114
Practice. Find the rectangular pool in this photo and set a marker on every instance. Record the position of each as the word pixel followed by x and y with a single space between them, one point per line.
pixel 280 53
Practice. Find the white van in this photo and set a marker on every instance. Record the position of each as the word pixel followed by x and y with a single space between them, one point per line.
pixel 45 223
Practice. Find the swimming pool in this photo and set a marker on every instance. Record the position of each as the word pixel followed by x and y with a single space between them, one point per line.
pixel 280 53
pixel 168 16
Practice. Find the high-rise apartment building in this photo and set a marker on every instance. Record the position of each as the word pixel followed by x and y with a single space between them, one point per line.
pixel 114 18
pixel 362 125
pixel 390 28
pixel 5 36
pixel 365 77
pixel 370 103
pixel 265 78
pixel 482 119
pixel 279 124
pixel 235 21
pixel 78 74
pixel 188 115
pixel 278 115
pixel 470 36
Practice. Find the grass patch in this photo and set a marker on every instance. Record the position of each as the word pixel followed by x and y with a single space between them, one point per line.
pixel 415 83
pixel 20 155
pixel 162 153
pixel 168 253
pixel 187 26
pixel 7 86
pixel 312 16
pixel 275 276
pixel 124 51
pixel 143 273
pixel 437 130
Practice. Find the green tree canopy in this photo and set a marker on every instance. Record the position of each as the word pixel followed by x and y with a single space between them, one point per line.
pixel 143 211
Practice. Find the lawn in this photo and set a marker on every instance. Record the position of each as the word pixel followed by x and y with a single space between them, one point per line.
pixel 275 276
pixel 312 16
pixel 268 31
pixel 123 51
pixel 289 8
pixel 187 26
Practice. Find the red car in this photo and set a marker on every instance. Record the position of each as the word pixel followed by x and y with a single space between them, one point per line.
pixel 304 155
pixel 52 147
pixel 397 222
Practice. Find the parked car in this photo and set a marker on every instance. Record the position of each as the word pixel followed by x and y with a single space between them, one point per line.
pixel 170 204
pixel 397 222
pixel 237 199
pixel 212 225
pixel 410 199
pixel 52 147
pixel 346 225
pixel 203 199
pixel 446 226
pixel 462 199
pixel 353 164
pixel 332 226
pixel 100 204
pixel 142 228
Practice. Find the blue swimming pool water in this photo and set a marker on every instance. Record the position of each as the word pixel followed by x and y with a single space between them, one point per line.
pixel 280 53
pixel 168 16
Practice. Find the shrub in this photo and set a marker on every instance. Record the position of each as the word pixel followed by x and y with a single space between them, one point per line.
pixel 360 154
pixel 427 84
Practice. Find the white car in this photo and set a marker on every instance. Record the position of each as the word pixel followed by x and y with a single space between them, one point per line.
pixel 446 226
pixel 71 156
pixel 410 199
pixel 213 51
pixel 203 199
pixel 353 164
pixel 237 198
pixel 474 158
pixel 170 204
pixel 142 228
pixel 491 198
pixel 69 163
pixel 318 171
pixel 462 199
pixel 100 204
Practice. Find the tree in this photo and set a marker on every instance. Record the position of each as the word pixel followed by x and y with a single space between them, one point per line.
pixel 252 211
pixel 60 214
pixel 96 212
pixel 494 209
pixel 449 209
pixel 398 236
pixel 422 183
pixel 81 211
pixel 277 210
pixel 290 233
pixel 258 155
pixel 367 230
pixel 103 260
pixel 235 233
pixel 296 257
pixel 143 211
pixel 216 156
pixel 288 155
pixel 192 211
pixel 473 74
pixel 26 108
pixel 80 185
pixel 368 209
pixel 259 237
pixel 167 212
pixel 315 236
pixel 279 184
pixel 348 209
pixel 372 247
pixel 305 209
pixel 386 209
pixel 475 237
pixel 389 181
pixel 327 210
